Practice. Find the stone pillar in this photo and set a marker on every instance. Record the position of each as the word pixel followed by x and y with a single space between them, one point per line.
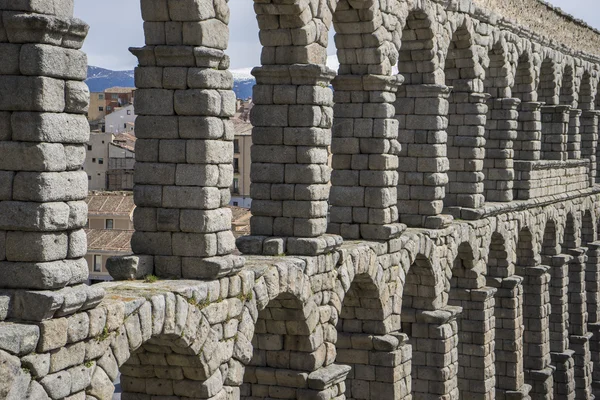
pixel 434 341
pixel 365 161
pixel 501 127
pixel 528 144
pixel 592 284
pixel 508 342
pixel 476 335
pixel 380 365
pixel 43 132
pixel 292 119
pixel 579 337
pixel 421 113
pixel 562 356
pixel 589 140
pixel 466 151
pixel 574 136
pixel 536 311
pixel 184 152
pixel 555 128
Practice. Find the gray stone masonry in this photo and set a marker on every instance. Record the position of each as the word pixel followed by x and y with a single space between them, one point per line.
pixel 464 188
pixel 43 132
pixel 183 168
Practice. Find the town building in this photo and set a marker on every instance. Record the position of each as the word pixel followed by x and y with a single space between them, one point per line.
pixel 242 143
pixel 97 108
pixel 121 162
pixel 121 120
pixel 109 230
pixel 118 97
pixel 96 160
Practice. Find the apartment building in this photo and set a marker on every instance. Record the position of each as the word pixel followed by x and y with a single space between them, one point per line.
pixel 240 190
pixel 109 230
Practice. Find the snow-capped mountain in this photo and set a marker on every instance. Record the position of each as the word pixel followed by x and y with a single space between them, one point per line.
pixel 100 79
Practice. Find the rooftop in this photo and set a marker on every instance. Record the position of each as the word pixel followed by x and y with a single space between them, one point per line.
pixel 109 240
pixel 110 203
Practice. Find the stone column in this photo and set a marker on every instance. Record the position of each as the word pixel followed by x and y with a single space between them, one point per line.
pixel 508 342
pixel 292 120
pixel 579 337
pixel 574 136
pixel 43 132
pixel 562 356
pixel 589 140
pixel 380 365
pixel 365 161
pixel 555 128
pixel 434 341
pixel 501 127
pixel 184 152
pixel 536 311
pixel 421 111
pixel 466 151
pixel 476 335
pixel 528 143
pixel 592 281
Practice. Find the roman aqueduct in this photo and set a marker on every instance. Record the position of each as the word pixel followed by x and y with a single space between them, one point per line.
pixel 450 251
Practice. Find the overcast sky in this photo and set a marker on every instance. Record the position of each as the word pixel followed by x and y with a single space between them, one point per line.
pixel 116 25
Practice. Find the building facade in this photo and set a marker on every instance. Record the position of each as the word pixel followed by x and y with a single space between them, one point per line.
pixel 242 144
pixel 121 120
pixel 109 230
pixel 97 108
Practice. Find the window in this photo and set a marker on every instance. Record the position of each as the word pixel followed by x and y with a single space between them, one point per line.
pixel 236 146
pixel 236 165
pixel 109 224
pixel 100 97
pixel 97 263
pixel 89 147
pixel 128 112
pixel 115 96
pixel 100 108
pixel 235 203
pixel 93 160
pixel 236 185
pixel 108 108
pixel 89 177
pixel 125 125
pixel 101 161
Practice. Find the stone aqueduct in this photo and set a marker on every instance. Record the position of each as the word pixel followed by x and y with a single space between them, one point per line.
pixel 460 258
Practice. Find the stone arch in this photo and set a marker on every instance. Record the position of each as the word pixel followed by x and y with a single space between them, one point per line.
pixel 550 242
pixel 418 48
pixel 567 90
pixel 188 343
pixel 588 228
pixel 360 327
pixel 527 143
pixel 421 302
pixel 536 350
pixel 466 117
pixel 288 339
pixel 548 88
pixel 586 91
pixel 468 291
pixel 421 132
pixel 501 121
pixel 363 126
pixel 508 315
pixel 571 238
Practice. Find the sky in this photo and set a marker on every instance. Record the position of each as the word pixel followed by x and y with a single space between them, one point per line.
pixel 117 25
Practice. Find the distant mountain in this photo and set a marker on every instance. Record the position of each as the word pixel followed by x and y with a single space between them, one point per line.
pixel 100 79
